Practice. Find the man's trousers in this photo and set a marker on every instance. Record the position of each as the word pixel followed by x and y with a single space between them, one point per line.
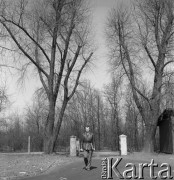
pixel 88 158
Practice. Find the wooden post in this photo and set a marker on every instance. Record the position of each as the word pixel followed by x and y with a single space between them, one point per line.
pixel 29 146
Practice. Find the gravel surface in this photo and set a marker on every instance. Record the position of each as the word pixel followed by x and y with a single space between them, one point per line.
pixel 16 165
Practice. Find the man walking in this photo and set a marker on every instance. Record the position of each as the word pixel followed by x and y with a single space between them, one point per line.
pixel 87 145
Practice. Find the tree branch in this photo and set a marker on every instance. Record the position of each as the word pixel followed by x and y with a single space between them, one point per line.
pixel 40 73
pixel 24 52
pixel 25 31
pixel 8 66
pixel 78 76
pixel 67 41
pixel 150 57
pixel 166 64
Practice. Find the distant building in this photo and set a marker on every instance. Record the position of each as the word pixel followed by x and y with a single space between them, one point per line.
pixel 166 131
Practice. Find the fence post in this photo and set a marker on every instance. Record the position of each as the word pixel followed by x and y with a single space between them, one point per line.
pixel 29 145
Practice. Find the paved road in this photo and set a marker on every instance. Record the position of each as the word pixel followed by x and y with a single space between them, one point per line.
pixel 75 171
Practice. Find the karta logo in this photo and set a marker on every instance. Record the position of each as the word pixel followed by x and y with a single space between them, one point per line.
pixel 111 168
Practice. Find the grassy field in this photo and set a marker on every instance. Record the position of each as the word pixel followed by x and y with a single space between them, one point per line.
pixel 160 158
pixel 15 165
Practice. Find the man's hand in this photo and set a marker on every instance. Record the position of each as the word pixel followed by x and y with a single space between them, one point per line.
pixel 93 148
pixel 81 150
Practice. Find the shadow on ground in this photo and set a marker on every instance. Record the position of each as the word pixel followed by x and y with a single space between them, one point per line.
pixel 93 167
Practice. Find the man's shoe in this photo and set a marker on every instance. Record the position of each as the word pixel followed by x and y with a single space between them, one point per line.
pixel 88 168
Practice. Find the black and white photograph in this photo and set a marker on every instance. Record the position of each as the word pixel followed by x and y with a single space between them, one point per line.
pixel 86 89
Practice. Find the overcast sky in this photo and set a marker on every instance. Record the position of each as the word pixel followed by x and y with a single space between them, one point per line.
pixel 98 75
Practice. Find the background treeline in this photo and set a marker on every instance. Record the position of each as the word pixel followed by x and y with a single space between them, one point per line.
pixel 105 110
pixel 111 112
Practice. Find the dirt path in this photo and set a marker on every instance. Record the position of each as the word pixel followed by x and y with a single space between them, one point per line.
pixel 75 171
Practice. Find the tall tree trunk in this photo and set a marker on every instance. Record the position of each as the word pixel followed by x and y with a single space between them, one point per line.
pixel 117 130
pixel 150 128
pixel 98 118
pixel 149 141
pixel 59 123
pixel 142 134
pixel 48 144
pixel 136 146
pixel 113 130
pixel 49 127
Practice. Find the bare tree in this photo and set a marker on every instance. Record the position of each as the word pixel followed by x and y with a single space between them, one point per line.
pixel 35 118
pixel 3 98
pixel 53 36
pixel 147 31
pixel 113 97
pixel 167 93
pixel 133 123
pixel 87 106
